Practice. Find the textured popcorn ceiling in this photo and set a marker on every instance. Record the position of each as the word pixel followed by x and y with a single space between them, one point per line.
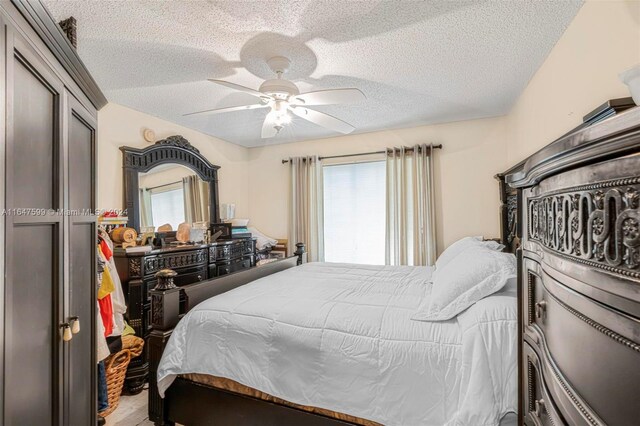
pixel 418 62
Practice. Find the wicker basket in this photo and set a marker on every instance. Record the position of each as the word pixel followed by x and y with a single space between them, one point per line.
pixel 115 369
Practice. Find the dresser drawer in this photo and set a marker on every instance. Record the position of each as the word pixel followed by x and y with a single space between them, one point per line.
pixel 587 345
pixel 175 261
pixel 539 406
pixel 225 268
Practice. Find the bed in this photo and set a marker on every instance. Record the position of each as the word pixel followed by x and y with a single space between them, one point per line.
pixel 328 344
pixel 341 337
pixel 289 343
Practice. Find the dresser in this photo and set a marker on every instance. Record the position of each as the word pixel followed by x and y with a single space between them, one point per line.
pixel 192 263
pixel 578 205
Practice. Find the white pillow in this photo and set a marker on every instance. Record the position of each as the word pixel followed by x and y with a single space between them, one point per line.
pixel 477 272
pixel 459 246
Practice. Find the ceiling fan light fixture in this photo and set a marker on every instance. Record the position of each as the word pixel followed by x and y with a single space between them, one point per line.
pixel 279 88
pixel 281 119
pixel 284 99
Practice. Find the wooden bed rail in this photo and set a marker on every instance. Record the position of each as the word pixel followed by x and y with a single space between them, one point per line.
pixel 169 303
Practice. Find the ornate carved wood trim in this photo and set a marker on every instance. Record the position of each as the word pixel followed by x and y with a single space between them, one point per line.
pixel 172 150
pixel 512 211
pixel 596 224
pixel 531 385
pixel 531 297
pixel 509 215
pixel 135 268
pixel 70 30
pixel 177 260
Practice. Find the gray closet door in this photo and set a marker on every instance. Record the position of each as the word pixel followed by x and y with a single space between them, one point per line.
pixel 81 224
pixel 34 240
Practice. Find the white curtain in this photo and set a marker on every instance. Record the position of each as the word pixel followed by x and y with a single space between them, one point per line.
pixel 306 210
pixel 196 199
pixel 410 225
pixel 146 219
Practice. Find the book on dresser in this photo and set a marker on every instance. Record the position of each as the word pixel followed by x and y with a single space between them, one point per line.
pixel 192 263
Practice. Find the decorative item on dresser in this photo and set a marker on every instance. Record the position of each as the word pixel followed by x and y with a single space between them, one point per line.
pixel 579 275
pixel 48 117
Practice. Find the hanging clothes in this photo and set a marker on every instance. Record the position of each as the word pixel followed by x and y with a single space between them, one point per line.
pixel 117 295
pixel 101 342
pixel 104 293
pixel 106 312
pixel 106 286
pixel 102 348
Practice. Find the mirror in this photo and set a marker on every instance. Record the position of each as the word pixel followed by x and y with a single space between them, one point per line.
pixel 172 194
pixel 169 182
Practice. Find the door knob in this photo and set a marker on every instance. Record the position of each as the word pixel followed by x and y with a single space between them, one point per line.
pixel 66 332
pixel 75 324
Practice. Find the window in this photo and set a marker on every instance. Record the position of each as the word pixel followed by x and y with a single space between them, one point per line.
pixel 168 207
pixel 354 213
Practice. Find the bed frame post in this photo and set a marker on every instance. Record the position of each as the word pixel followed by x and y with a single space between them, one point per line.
pixel 300 252
pixel 165 311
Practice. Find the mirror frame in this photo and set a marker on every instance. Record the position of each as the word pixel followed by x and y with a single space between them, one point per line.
pixel 172 150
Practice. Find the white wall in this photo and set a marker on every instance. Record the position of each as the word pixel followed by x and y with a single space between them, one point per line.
pixel 119 126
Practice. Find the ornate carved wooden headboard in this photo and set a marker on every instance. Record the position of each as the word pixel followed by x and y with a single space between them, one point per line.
pixel 509 215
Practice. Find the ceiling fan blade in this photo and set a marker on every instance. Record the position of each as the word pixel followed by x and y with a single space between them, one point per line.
pixel 327 97
pixel 322 119
pixel 269 129
pixel 240 88
pixel 228 109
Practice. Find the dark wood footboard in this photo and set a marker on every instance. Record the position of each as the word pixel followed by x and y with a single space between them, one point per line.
pixel 169 303
pixel 222 407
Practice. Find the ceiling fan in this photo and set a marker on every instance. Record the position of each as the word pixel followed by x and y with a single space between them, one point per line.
pixel 283 97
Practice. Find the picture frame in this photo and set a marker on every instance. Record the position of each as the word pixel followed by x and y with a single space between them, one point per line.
pixel 224 228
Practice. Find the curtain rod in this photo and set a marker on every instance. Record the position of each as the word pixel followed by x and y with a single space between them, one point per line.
pixel 366 153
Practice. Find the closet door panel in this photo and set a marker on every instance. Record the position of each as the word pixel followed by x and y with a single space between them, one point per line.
pixel 80 155
pixel 35 114
pixel 32 359
pixel 33 240
pixel 81 363
pixel 81 164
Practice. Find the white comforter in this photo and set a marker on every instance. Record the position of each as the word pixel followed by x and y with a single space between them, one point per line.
pixel 340 337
